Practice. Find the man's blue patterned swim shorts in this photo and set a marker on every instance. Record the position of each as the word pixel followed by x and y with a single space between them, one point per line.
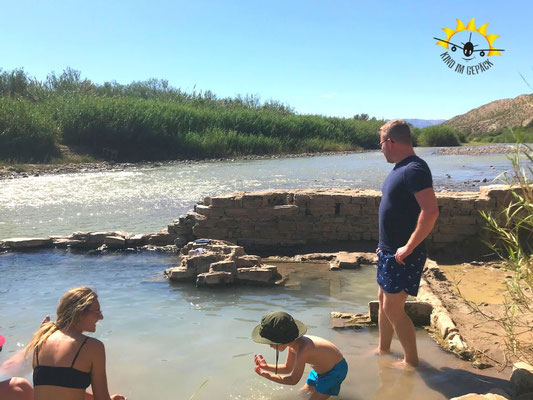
pixel 394 277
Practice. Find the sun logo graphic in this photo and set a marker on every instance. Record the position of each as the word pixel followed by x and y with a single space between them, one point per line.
pixel 467 47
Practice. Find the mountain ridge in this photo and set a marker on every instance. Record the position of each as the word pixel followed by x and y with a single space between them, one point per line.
pixel 496 116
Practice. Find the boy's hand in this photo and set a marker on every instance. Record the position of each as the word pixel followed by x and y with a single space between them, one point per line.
pixel 260 361
pixel 260 372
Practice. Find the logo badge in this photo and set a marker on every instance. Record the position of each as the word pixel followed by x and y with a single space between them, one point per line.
pixel 468 49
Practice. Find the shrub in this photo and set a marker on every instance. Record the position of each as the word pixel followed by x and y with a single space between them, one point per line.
pixel 438 135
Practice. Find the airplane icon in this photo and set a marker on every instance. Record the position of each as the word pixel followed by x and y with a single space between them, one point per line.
pixel 468 47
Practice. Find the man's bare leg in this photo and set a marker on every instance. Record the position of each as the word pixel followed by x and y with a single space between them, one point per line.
pixel 385 327
pixel 394 309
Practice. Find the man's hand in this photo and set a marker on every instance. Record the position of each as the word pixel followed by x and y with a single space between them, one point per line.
pixel 260 361
pixel 401 254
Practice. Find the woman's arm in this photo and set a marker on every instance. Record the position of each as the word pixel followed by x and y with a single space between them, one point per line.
pixel 16 364
pixel 98 374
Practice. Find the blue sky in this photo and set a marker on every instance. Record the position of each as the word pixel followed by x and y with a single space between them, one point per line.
pixel 336 58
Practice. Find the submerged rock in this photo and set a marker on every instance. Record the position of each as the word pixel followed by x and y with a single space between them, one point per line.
pixel 342 320
pixel 346 260
pixel 418 311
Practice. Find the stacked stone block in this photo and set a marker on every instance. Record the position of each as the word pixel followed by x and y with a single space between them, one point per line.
pixel 281 219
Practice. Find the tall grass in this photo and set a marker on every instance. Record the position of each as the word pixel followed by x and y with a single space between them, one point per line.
pixel 152 121
pixel 512 241
pixel 26 133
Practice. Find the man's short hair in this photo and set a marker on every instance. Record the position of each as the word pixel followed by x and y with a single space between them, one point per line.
pixel 397 130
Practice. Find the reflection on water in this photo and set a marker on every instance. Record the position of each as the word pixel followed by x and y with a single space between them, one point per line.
pixel 164 341
pixel 145 200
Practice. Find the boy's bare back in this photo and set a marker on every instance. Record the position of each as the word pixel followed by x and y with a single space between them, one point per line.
pixel 320 353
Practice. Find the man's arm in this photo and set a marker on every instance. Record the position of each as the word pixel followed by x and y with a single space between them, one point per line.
pixel 429 212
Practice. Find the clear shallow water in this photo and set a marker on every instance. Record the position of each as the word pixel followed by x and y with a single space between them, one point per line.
pixel 146 200
pixel 163 341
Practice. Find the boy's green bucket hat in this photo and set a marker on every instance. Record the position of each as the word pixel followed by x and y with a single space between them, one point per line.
pixel 278 327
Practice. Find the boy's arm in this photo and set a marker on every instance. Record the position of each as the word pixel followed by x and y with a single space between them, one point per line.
pixel 298 366
pixel 282 368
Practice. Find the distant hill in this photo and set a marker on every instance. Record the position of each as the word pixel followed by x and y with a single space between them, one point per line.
pixel 496 116
pixel 423 123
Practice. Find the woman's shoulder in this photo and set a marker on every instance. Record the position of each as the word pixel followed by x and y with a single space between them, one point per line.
pixel 94 344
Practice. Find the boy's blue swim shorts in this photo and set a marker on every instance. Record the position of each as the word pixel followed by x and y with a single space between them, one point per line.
pixel 394 277
pixel 330 382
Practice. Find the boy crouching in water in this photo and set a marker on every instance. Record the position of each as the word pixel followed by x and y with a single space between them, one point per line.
pixel 281 331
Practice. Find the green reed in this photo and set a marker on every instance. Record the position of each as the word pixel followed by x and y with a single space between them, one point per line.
pixel 152 121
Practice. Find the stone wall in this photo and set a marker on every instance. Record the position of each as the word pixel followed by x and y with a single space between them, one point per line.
pixel 280 219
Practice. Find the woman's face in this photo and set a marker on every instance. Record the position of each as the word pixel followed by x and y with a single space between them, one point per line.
pixel 91 317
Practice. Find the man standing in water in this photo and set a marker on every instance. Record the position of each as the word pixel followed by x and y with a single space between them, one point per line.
pixel 407 214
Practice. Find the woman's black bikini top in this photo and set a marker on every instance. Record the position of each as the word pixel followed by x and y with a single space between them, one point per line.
pixel 68 377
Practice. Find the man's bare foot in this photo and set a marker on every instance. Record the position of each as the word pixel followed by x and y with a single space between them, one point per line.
pixel 379 352
pixel 403 365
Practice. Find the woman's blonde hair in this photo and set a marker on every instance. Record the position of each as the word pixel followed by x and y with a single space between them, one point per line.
pixel 72 307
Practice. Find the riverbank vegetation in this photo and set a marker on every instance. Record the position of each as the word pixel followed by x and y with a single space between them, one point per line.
pixel 438 135
pixel 152 121
pixel 508 135
pixel 512 230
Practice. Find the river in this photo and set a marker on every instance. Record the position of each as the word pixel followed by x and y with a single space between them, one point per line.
pixel 147 199
pixel 163 341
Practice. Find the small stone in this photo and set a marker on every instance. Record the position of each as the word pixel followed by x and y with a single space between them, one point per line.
pixel 214 279
pixel 256 276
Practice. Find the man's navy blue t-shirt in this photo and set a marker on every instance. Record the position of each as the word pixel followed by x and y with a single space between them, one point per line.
pixel 399 210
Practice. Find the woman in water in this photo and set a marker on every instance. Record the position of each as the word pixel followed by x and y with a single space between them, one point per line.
pixel 65 361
